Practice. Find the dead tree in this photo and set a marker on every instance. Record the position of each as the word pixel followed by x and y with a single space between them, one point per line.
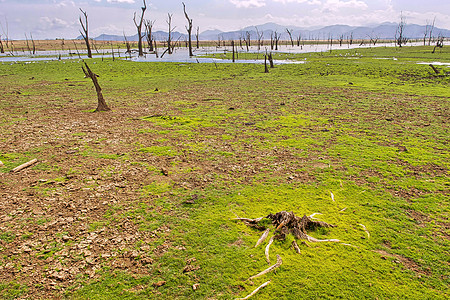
pixel 85 32
pixel 189 29
pixel 102 106
pixel 299 39
pixel 127 44
pixel 430 37
pixel 259 37
pixel 232 46
pixel 341 39
pixel 197 34
pixel 139 28
pixel 276 39
pixel 439 42
pixel 169 38
pixel 270 57
pixel 266 69
pixel 400 38
pixel 148 34
pixel 373 39
pixel 247 40
pixel 289 32
pixel 2 50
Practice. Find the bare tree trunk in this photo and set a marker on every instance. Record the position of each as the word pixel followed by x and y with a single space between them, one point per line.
pixel 266 69
pixel 169 38
pixel 430 37
pixel 259 37
pixel 139 28
pixel 148 34
pixel 189 29
pixel 2 50
pixel 399 35
pixel 102 106
pixel 85 32
pixel 197 35
pixel 289 32
pixel 271 60
pixel 232 46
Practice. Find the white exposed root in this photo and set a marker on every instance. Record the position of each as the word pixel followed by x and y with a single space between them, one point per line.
pixel 312 216
pixel 350 245
pixel 332 196
pixel 267 250
pixel 344 209
pixel 255 291
pixel 269 269
pixel 365 229
pixel 296 247
pixel 312 239
pixel 263 237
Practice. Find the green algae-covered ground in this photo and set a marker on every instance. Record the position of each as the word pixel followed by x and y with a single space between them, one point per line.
pixel 139 202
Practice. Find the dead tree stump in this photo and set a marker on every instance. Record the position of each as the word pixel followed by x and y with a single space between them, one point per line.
pixel 102 106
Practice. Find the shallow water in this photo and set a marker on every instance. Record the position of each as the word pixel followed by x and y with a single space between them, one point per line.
pixel 181 55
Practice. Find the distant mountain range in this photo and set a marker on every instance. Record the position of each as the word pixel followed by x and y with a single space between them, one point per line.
pixel 380 31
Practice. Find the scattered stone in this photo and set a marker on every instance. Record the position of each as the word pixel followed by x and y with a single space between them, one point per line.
pixel 159 283
pixel 1 164
pixel 190 268
pixel 195 286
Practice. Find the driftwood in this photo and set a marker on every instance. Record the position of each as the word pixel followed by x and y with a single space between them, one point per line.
pixel 25 165
pixel 255 291
pixel 269 269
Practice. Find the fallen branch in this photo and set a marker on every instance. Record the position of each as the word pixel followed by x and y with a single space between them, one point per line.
pixel 269 269
pixel 365 229
pixel 263 237
pixel 255 291
pixel 332 196
pixel 267 250
pixel 434 69
pixel 25 165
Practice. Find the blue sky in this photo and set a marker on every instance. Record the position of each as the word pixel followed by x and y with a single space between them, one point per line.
pixel 59 18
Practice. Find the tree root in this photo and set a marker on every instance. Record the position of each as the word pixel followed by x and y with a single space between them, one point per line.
pixel 269 269
pixel 263 237
pixel 365 229
pixel 267 250
pixel 296 247
pixel 255 291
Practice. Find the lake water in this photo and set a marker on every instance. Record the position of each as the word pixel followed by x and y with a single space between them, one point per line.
pixel 181 55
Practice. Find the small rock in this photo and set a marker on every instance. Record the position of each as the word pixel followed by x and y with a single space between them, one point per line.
pixel 159 283
pixel 190 268
pixel 1 164
pixel 195 286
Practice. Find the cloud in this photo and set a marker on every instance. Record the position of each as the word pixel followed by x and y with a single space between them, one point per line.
pixel 48 24
pixel 248 3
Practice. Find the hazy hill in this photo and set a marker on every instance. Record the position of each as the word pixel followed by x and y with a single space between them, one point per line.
pixel 381 31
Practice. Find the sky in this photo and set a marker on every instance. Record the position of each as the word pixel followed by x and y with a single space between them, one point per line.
pixel 50 19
